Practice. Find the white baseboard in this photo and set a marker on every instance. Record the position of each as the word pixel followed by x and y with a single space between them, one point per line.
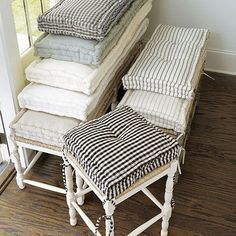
pixel 221 61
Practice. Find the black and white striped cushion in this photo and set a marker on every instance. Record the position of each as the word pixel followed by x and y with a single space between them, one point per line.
pixel 167 64
pixel 119 148
pixel 89 19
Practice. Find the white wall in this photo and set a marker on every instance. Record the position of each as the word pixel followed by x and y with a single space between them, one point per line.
pixel 219 16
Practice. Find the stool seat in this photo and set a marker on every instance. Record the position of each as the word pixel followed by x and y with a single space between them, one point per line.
pixel 119 148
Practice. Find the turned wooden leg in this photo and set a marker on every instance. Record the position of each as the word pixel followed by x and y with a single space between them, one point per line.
pixel 70 195
pixel 79 183
pixel 167 209
pixel 15 156
pixel 109 207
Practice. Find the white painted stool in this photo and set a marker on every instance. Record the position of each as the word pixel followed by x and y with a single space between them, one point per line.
pixel 129 178
pixel 42 133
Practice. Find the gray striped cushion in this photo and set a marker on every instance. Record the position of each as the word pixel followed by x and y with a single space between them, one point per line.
pixel 119 148
pixel 89 19
pixel 167 64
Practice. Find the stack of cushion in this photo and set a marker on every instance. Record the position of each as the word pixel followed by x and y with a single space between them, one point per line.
pixel 88 51
pixel 84 44
pixel 162 82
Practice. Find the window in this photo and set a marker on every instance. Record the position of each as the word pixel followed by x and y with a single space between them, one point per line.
pixel 26 13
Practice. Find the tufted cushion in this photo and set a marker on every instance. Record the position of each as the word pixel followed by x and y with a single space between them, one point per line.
pixel 69 48
pixel 119 148
pixel 169 62
pixel 78 105
pixel 86 78
pixel 162 110
pixel 89 19
pixel 42 127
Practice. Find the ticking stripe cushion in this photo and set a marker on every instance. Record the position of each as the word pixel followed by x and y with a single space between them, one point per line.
pixel 162 110
pixel 119 148
pixel 89 19
pixel 167 64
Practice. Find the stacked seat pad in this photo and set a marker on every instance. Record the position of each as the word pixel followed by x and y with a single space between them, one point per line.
pixel 80 58
pixel 89 19
pixel 119 148
pixel 64 102
pixel 165 111
pixel 162 82
pixel 68 48
pixel 43 128
pixel 86 78
pixel 169 61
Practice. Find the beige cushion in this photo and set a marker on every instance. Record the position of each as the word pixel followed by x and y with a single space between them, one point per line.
pixel 42 127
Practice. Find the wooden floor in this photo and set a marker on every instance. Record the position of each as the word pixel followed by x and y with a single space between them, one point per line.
pixel 205 195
